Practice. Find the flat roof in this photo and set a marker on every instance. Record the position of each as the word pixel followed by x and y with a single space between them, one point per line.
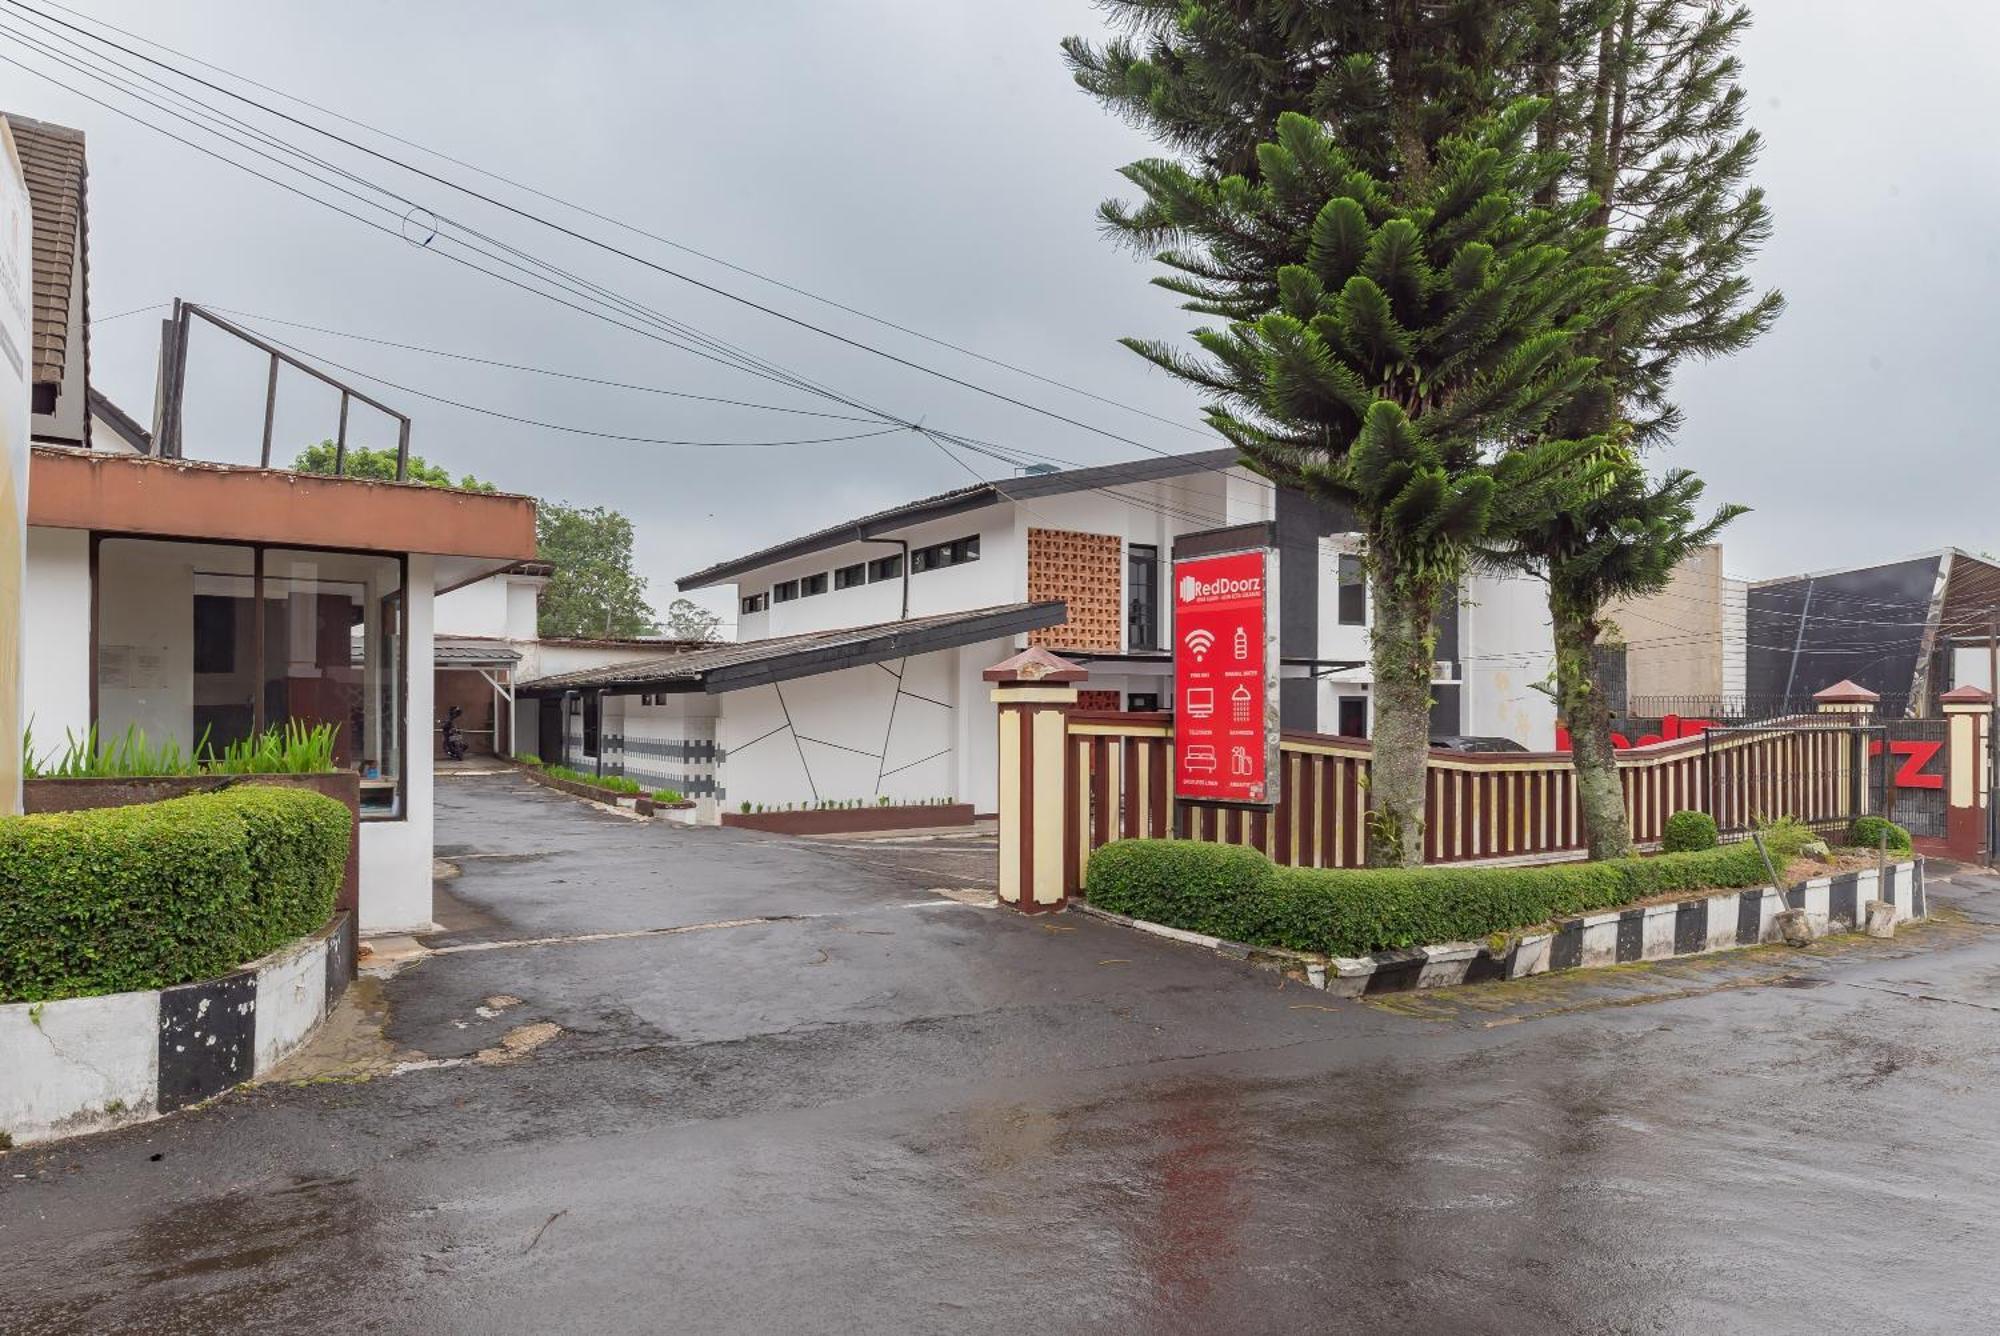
pixel 142 496
pixel 735 665
pixel 976 496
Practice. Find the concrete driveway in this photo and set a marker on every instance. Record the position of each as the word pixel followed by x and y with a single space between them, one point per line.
pixel 774 1084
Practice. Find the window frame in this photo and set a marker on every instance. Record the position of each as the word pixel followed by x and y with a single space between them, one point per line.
pixel 885 568
pixel 755 603
pixel 785 591
pixel 851 576
pixel 399 809
pixel 1344 563
pixel 812 586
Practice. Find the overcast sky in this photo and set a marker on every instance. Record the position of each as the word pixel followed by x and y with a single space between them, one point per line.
pixel 933 164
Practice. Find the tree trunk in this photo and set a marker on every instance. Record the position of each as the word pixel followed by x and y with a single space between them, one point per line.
pixel 1581 703
pixel 1402 645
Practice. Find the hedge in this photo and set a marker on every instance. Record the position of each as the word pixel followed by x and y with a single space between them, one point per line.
pixel 1239 894
pixel 1688 832
pixel 126 898
pixel 1869 830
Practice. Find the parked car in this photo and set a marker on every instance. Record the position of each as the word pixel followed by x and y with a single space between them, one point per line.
pixel 1462 743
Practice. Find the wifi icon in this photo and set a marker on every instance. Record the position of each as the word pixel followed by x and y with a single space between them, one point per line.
pixel 1199 641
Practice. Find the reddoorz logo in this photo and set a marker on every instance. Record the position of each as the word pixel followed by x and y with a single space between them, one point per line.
pixel 1193 590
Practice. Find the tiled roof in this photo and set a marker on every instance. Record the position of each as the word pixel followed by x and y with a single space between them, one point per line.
pixel 472 651
pixel 736 664
pixel 52 160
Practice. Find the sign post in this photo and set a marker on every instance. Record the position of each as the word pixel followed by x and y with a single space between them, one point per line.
pixel 1226 667
pixel 17 355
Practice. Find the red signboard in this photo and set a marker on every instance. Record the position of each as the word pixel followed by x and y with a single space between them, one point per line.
pixel 1225 679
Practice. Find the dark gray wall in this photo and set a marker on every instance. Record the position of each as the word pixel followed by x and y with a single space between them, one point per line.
pixel 1865 625
pixel 1302 522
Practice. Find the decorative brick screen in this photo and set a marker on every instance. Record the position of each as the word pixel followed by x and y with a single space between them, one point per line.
pixel 1098 700
pixel 1085 571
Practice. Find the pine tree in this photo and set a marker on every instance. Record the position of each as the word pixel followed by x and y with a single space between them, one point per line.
pixel 1640 102
pixel 1379 341
pixel 1662 147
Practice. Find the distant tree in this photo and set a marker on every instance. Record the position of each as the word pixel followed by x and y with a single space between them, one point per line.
pixel 593 591
pixel 688 620
pixel 362 462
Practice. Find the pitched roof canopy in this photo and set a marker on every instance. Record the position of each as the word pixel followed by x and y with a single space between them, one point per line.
pixel 52 160
pixel 735 665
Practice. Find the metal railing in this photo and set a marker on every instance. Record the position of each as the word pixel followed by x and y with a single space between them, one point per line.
pixel 173 380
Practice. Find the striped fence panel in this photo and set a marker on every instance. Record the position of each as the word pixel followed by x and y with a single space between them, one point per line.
pixel 1507 806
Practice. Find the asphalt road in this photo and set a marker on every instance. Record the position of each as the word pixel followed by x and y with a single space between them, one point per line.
pixel 784 1086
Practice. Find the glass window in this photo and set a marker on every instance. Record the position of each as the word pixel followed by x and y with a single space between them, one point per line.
pixel 964 550
pixel 784 591
pixel 886 568
pixel 756 603
pixel 847 577
pixel 812 584
pixel 1142 700
pixel 1353 603
pixel 333 653
pixel 1353 717
pixel 188 655
pixel 1142 597
pixel 592 724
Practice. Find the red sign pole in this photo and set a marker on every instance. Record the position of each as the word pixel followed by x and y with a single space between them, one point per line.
pixel 1226 678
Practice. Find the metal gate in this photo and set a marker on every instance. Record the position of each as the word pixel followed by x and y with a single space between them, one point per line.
pixel 1813 772
pixel 1910 771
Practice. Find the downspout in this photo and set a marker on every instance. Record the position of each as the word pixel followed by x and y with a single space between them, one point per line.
pixel 905 545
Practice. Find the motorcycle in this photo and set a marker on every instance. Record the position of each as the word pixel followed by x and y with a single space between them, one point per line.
pixel 454 737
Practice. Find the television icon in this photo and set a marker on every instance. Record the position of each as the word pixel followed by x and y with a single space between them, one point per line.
pixel 1200 702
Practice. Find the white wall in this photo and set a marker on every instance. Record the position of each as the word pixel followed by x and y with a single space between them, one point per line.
pixel 55 621
pixel 477 609
pixel 1507 647
pixel 1149 513
pixel 853 734
pixel 1735 635
pixel 396 855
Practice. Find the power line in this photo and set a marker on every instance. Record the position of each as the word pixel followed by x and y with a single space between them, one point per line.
pixel 596 242
pixel 630 227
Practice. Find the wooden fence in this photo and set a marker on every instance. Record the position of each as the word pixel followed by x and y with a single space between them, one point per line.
pixel 1479 806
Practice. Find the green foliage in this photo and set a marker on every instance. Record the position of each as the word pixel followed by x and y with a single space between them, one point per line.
pixel 616 783
pixel 669 796
pixel 1869 830
pixel 1689 832
pixel 127 898
pixel 291 748
pixel 529 759
pixel 1238 894
pixel 688 620
pixel 380 465
pixel 593 592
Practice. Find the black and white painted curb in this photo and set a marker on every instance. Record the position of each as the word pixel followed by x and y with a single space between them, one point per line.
pixel 84 1064
pixel 1721 921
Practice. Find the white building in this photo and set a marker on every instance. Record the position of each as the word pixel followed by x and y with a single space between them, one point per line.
pixel 857 675
pixel 199 602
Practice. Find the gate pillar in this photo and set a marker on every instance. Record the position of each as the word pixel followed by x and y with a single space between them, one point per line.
pixel 1970 711
pixel 1035 691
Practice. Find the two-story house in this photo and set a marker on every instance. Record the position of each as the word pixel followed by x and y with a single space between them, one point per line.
pixel 856 674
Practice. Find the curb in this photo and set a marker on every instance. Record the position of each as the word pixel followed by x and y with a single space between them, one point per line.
pixel 86 1064
pixel 1699 925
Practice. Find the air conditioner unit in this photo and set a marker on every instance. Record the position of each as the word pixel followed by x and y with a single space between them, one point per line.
pixel 1441 671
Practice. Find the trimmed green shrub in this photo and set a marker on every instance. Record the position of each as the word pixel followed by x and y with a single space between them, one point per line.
pixel 530 760
pixel 1219 889
pixel 668 796
pixel 1239 894
pixel 1868 832
pixel 126 898
pixel 1690 832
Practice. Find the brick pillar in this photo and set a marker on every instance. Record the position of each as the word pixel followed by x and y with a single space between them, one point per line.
pixel 1035 691
pixel 1856 704
pixel 1970 711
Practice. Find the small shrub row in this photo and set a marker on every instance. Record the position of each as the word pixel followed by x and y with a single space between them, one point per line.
pixel 844 804
pixel 616 783
pixel 1239 894
pixel 668 796
pixel 118 899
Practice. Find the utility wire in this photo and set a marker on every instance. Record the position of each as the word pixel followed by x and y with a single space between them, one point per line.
pixel 630 227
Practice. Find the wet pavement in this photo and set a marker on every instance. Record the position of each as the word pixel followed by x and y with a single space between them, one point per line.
pixel 784 1085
